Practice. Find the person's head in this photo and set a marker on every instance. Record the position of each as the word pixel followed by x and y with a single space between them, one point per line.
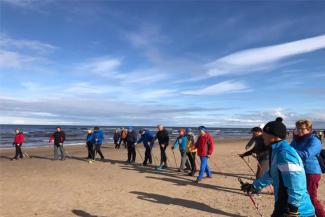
pixel 202 130
pixel 160 127
pixel 142 131
pixel 181 131
pixel 89 131
pixel 17 131
pixel 188 131
pixel 256 131
pixel 303 127
pixel 96 128
pixel 58 129
pixel 274 131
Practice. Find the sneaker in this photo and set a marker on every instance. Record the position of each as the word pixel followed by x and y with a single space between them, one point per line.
pixel 165 167
pixel 197 181
pixel 13 158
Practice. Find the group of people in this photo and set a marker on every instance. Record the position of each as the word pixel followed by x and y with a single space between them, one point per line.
pixel 294 170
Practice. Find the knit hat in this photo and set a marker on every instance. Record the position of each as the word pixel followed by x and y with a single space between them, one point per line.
pixel 203 128
pixel 96 128
pixel 276 128
pixel 188 130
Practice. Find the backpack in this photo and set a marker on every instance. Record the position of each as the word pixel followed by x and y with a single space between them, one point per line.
pixel 321 160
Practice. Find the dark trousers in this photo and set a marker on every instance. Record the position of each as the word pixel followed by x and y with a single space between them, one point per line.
pixel 90 148
pixel 97 150
pixel 131 153
pixel 117 144
pixel 312 186
pixel 147 156
pixel 18 151
pixel 163 156
pixel 192 156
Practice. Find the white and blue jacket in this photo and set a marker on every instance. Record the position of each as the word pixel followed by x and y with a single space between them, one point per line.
pixel 288 177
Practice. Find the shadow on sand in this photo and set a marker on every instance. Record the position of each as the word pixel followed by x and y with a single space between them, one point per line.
pixel 161 199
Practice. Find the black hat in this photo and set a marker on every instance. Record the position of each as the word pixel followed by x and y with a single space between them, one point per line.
pixel 280 119
pixel 96 128
pixel 276 128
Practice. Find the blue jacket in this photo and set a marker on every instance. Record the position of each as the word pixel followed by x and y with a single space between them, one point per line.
pixel 96 137
pixel 182 142
pixel 308 148
pixel 288 177
pixel 146 139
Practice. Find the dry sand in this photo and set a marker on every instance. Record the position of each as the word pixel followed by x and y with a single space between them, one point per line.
pixel 42 187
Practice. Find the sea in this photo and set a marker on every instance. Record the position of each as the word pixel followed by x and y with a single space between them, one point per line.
pixel 38 135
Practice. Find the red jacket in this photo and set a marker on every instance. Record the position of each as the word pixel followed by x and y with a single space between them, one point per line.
pixel 19 139
pixel 205 145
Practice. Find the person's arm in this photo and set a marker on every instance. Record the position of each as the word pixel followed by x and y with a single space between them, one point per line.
pixel 51 138
pixel 63 137
pixel 293 177
pixel 175 144
pixel 250 143
pixel 248 153
pixel 313 148
pixel 263 181
pixel 210 145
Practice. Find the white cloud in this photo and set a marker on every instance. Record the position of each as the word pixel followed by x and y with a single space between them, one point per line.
pixel 37 46
pixel 264 57
pixel 219 88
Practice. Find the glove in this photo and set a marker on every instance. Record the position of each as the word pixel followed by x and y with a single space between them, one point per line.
pixel 248 188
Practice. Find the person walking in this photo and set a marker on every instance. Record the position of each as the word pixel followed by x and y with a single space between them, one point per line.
pixel 58 137
pixel 18 142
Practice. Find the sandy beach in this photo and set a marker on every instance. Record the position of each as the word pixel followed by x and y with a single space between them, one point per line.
pixel 42 187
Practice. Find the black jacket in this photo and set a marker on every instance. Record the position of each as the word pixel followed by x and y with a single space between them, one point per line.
pixel 58 137
pixel 131 138
pixel 163 137
pixel 260 149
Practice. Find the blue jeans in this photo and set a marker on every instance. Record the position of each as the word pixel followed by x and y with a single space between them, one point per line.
pixel 204 168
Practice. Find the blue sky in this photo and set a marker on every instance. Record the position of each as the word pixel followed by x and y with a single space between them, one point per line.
pixel 222 64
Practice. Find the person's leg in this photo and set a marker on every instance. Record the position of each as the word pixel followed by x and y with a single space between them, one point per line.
pixel 312 186
pixel 56 156
pixel 129 153
pixel 100 152
pixel 150 155
pixel 207 169
pixel 16 154
pixel 62 152
pixel 183 160
pixel 89 146
pixel 161 155
pixel 190 157
pixel 146 156
pixel 20 153
pixel 133 153
pixel 202 167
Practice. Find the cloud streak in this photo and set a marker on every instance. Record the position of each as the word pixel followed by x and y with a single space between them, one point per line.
pixel 263 57
pixel 219 88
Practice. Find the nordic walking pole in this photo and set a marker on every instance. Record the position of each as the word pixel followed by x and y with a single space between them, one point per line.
pixel 139 154
pixel 248 165
pixel 26 155
pixel 252 199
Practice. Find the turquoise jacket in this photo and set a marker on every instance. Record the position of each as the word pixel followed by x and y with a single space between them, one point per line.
pixel 182 142
pixel 288 177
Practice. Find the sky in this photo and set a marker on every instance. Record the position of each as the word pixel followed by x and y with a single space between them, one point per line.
pixel 177 63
